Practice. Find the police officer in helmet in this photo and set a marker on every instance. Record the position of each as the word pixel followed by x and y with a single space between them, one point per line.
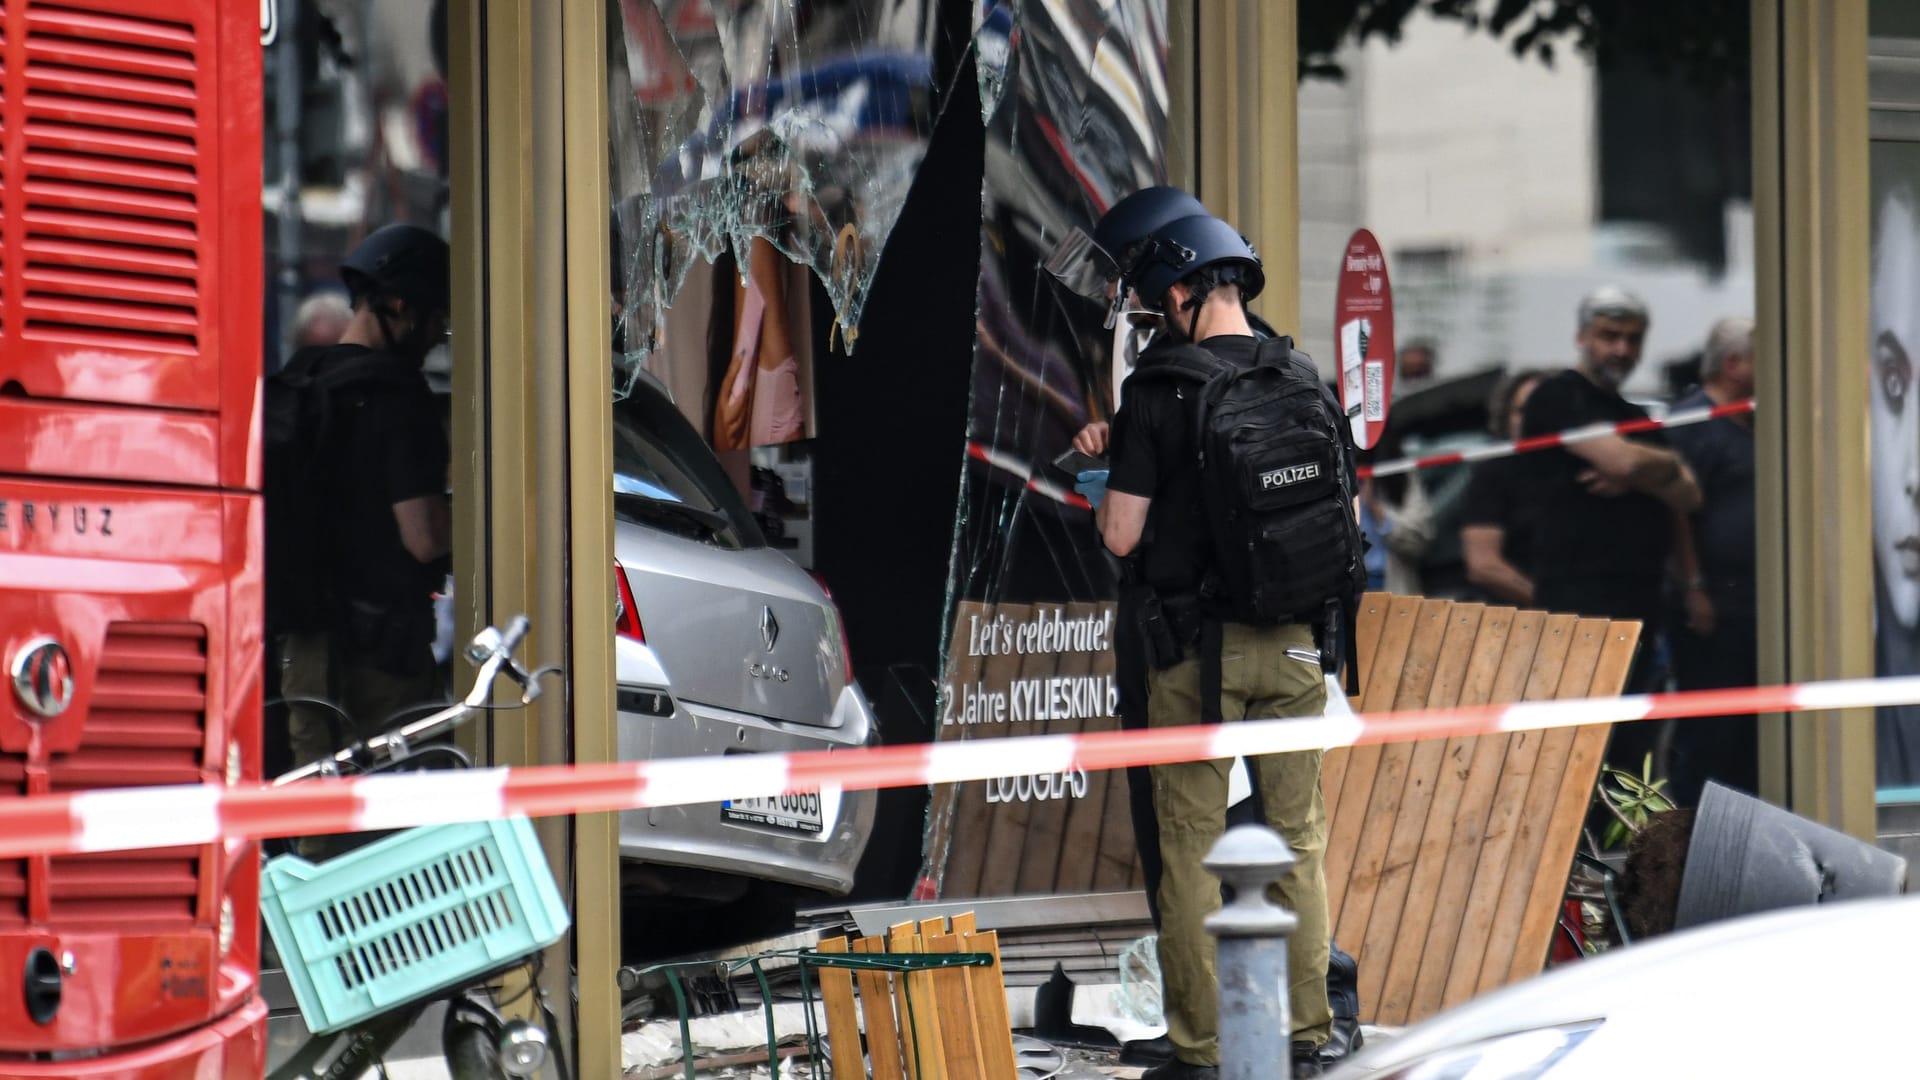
pixel 1167 258
pixel 368 538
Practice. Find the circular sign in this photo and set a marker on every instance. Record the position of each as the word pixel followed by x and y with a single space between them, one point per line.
pixel 1363 337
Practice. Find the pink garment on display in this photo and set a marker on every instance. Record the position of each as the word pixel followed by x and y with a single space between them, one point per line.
pixel 746 347
pixel 779 412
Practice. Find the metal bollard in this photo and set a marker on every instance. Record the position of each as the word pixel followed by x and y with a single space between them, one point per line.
pixel 1255 1029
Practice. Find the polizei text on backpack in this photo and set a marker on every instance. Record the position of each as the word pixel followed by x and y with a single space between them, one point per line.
pixel 1289 475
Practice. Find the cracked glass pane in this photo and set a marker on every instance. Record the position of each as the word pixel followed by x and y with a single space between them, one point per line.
pixel 743 130
pixel 1074 97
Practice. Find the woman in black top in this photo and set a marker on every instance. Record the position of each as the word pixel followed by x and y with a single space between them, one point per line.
pixel 1496 520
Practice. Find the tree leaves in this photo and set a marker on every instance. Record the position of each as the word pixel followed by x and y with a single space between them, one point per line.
pixel 1703 41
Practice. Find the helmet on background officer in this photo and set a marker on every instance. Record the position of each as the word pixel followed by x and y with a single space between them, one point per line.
pixel 402 275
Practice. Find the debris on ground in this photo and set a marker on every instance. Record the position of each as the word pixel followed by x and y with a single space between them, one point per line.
pixel 741 1036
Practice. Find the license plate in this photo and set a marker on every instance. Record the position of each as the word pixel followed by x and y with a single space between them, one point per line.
pixel 798 812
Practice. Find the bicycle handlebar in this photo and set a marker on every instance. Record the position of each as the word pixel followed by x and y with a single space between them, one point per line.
pixel 491 650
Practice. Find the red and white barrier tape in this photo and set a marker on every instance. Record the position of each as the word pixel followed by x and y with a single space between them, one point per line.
pixel 159 817
pixel 1006 462
pixel 1679 418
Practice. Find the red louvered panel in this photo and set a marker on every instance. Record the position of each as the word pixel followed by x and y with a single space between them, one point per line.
pixel 105 211
pixel 155 889
pixel 13 872
pixel 147 726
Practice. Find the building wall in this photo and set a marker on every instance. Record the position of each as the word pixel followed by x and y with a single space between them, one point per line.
pixel 1478 172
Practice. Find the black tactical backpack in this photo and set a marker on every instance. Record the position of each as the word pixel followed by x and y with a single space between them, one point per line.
pixel 1278 499
pixel 299 403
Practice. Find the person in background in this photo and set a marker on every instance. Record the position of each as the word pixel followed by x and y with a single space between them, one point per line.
pixel 1716 640
pixel 1608 507
pixel 1414 371
pixel 1497 516
pixel 321 319
pixel 1397 521
pixel 382 471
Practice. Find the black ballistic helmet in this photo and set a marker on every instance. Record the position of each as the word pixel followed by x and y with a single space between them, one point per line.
pixel 404 261
pixel 1184 247
pixel 1134 218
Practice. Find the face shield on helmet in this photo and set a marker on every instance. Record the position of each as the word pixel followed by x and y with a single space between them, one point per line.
pixel 1088 270
pixel 1093 265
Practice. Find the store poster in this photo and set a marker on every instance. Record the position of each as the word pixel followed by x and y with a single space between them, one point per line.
pixel 1894 405
pixel 1073 97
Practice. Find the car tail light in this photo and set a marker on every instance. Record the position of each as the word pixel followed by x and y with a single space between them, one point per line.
pixel 626 615
pixel 833 612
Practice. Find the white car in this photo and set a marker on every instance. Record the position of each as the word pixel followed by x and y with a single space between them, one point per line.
pixel 1820 990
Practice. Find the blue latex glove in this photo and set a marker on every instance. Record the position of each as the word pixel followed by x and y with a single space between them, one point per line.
pixel 1093 485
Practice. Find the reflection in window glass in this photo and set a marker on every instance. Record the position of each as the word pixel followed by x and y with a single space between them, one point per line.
pixel 1505 190
pixel 762 131
pixel 356 141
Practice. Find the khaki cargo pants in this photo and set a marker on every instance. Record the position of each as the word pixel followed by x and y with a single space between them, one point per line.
pixel 1258 681
pixel 368 695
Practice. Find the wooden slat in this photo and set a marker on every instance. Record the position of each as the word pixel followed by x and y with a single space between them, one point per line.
pixel 1461 856
pixel 1368 620
pixel 1516 776
pixel 990 1004
pixel 1562 833
pixel 1086 817
pixel 1347 821
pixel 1384 806
pixel 1587 637
pixel 959 1034
pixel 843 1017
pixel 918 1010
pixel 876 1008
pixel 1437 686
pixel 1485 634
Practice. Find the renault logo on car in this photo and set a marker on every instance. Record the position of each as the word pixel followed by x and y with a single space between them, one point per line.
pixel 43 677
pixel 769 628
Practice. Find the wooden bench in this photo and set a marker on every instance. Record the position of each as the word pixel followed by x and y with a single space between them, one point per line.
pixel 1447 858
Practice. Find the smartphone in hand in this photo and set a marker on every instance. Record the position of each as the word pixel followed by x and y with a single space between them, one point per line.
pixel 1073 463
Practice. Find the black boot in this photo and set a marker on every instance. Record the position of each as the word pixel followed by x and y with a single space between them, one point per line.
pixel 1146 1051
pixel 1306 1059
pixel 1175 1069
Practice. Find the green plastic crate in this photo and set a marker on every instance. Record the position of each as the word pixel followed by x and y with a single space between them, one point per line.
pixel 408 916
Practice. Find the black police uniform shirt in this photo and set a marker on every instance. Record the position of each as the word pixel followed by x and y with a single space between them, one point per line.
pixel 1720 453
pixel 1153 456
pixel 1592 554
pixel 388 447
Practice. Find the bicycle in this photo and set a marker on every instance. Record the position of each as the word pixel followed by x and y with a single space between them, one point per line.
pixel 373 937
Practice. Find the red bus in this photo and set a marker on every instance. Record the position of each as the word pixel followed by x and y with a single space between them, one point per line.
pixel 130 521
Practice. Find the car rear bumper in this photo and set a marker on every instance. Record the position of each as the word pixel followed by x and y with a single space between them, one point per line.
pixel 655 725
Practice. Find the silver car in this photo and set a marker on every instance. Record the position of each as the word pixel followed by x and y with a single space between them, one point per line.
pixel 724 646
